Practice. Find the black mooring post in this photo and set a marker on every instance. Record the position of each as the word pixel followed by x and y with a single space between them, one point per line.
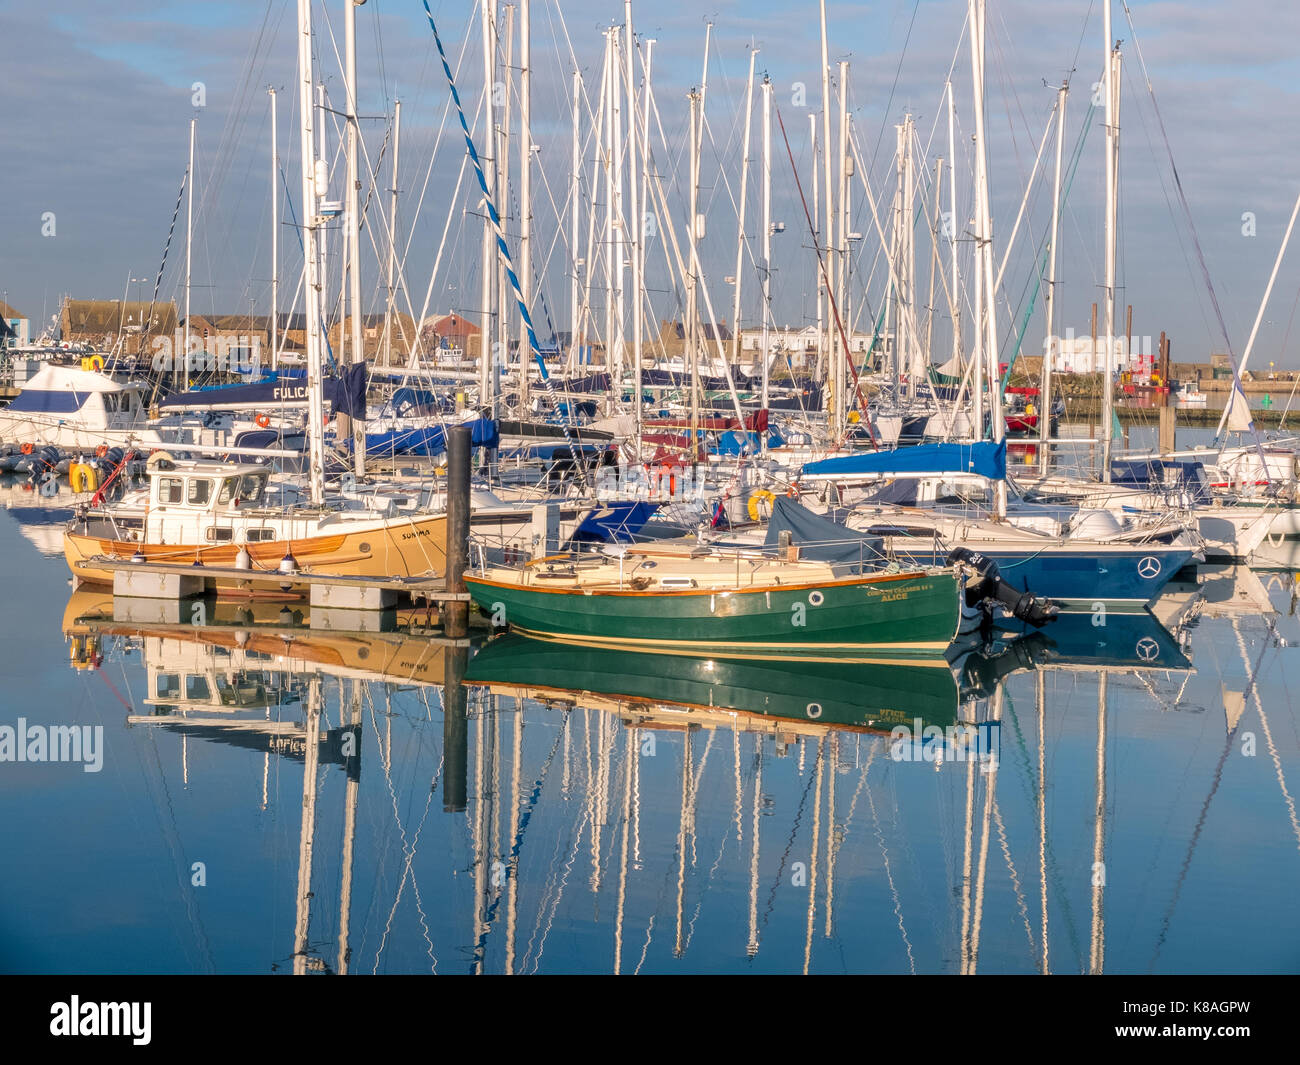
pixel 456 614
pixel 455 732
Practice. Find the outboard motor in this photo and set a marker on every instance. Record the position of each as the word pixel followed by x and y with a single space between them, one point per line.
pixel 989 588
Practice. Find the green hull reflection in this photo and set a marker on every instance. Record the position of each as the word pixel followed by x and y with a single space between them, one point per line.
pixel 873 695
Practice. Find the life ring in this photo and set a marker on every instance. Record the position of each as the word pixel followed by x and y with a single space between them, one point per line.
pixel 762 495
pixel 27 448
pixel 82 477
pixel 101 451
pixel 262 420
pixel 157 458
pixel 97 362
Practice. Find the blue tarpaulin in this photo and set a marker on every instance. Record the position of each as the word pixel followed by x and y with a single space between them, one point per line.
pixel 984 459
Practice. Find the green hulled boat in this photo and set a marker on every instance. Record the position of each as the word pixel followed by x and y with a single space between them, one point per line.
pixel 708 603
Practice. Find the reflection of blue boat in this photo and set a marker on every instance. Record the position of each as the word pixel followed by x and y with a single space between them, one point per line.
pixel 1106 640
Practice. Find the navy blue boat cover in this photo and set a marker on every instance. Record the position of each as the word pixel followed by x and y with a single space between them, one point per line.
pixel 821 539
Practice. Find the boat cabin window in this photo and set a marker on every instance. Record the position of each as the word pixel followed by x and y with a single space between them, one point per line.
pixel 196 687
pixel 218 535
pixel 168 686
pixel 169 489
pixel 199 491
pixel 229 486
pixel 126 401
pixel 250 488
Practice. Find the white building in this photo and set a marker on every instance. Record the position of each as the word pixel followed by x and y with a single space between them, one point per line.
pixel 1078 354
pixel 790 340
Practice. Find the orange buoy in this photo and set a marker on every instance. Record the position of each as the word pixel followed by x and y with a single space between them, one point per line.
pixel 263 420
pixel 27 448
pixel 101 451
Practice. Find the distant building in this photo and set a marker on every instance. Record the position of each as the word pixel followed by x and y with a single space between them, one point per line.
pixel 791 341
pixel 15 330
pixel 99 323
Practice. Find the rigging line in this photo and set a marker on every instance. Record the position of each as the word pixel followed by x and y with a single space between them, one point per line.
pixel 408 849
pixel 1187 211
pixel 504 252
pixel 1015 877
pixel 512 866
pixel 785 855
pixel 158 280
pixel 884 854
pixel 1051 859
pixel 1205 806
pixel 893 89
pixel 839 323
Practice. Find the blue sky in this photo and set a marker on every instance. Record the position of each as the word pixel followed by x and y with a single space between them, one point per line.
pixel 95 102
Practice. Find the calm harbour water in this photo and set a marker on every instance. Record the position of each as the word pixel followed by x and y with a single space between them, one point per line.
pixel 600 834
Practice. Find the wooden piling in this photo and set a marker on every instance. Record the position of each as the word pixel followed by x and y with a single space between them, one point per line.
pixel 455 732
pixel 456 614
pixel 1167 430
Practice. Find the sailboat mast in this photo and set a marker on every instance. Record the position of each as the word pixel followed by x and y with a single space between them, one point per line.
pixel 744 195
pixel 182 367
pixel 616 180
pixel 691 315
pixel 502 196
pixel 322 189
pixel 525 195
pixel 358 354
pixel 310 265
pixel 1112 178
pixel 952 229
pixel 828 236
pixel 273 334
pixel 986 306
pixel 392 237
pixel 645 201
pixel 575 164
pixel 840 376
pixel 767 239
pixel 487 371
pixel 819 362
pixel 1049 348
pixel 607 168
pixel 634 195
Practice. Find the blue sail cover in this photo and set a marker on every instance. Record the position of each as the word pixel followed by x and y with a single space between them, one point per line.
pixel 48 401
pixel 346 394
pixel 985 459
pixel 430 440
